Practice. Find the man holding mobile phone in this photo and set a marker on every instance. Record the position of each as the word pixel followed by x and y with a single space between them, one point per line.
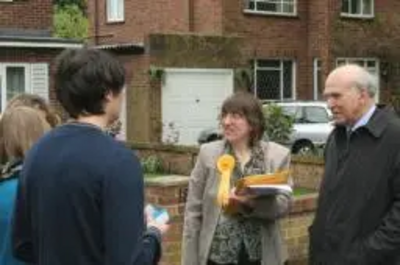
pixel 81 193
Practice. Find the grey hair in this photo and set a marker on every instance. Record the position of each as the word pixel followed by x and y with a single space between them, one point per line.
pixel 364 80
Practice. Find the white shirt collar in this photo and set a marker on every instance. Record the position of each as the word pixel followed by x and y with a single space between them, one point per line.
pixel 364 119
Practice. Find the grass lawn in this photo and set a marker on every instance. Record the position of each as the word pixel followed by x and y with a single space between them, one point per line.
pixel 153 175
pixel 302 191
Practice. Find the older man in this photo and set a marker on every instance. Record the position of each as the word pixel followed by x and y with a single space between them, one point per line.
pixel 358 217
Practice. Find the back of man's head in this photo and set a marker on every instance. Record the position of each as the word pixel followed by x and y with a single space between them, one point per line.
pixel 84 77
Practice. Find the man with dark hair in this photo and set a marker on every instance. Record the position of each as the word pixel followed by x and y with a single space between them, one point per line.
pixel 80 198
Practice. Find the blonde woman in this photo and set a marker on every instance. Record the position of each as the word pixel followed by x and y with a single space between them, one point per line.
pixel 36 102
pixel 20 128
pixel 32 101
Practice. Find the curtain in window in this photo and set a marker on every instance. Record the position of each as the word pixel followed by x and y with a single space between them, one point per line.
pixel 15 81
pixel 115 9
pixel 287 6
pixel 367 7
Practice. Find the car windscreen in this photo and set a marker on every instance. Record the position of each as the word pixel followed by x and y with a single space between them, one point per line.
pixel 293 111
pixel 316 115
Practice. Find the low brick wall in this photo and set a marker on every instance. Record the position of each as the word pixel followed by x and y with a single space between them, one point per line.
pixel 175 159
pixel 170 192
pixel 307 171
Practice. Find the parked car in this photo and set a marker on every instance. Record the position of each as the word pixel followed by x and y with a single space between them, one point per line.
pixel 312 125
pixel 311 128
pixel 209 135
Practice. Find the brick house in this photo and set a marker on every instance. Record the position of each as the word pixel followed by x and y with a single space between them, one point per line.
pixel 27 48
pixel 185 56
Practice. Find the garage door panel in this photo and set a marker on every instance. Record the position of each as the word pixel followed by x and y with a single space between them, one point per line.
pixel 191 100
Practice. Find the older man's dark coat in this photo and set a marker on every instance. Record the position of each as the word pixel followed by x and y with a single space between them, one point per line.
pixel 358 217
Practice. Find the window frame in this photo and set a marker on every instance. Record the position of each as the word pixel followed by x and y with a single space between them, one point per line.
pixel 281 75
pixel 317 71
pixel 248 10
pixel 358 15
pixel 119 17
pixel 3 80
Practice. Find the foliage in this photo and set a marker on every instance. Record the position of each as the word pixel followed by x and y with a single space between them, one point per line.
pixel 244 78
pixel 70 22
pixel 377 37
pixel 299 191
pixel 279 125
pixel 156 73
pixel 152 165
pixel 79 3
pixel 381 35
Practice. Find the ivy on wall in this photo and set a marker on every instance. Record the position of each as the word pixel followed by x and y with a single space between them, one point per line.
pixel 378 37
pixel 244 78
pixel 156 73
pixel 174 50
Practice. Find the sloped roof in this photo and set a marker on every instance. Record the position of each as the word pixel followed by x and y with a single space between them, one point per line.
pixel 26 38
pixel 127 46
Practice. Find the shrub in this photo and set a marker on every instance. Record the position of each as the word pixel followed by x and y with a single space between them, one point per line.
pixel 152 165
pixel 279 126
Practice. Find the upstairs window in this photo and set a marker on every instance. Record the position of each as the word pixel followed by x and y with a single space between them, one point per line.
pixel 275 7
pixel 115 10
pixel 358 8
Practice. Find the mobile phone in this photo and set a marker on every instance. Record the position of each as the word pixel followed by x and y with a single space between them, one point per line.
pixel 157 213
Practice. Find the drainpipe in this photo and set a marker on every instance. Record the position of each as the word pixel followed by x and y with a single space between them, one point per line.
pixel 96 22
pixel 191 14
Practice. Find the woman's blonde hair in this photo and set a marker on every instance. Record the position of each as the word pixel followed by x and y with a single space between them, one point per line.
pixel 36 102
pixel 20 128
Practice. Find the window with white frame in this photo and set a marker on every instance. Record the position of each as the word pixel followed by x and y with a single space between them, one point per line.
pixel 115 10
pixel 317 79
pixel 274 79
pixel 17 78
pixel 371 64
pixel 279 7
pixel 358 8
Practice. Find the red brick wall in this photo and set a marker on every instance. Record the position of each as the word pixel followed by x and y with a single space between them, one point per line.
pixel 302 37
pixel 272 36
pixel 141 19
pixel 383 9
pixel 34 56
pixel 207 16
pixel 29 14
pixel 139 94
pixel 306 171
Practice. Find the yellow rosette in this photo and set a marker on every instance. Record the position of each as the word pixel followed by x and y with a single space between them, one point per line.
pixel 225 165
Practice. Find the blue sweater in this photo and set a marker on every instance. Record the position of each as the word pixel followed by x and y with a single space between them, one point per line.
pixel 80 202
pixel 8 190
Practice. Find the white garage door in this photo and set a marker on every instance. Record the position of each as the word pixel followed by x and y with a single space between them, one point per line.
pixel 191 101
